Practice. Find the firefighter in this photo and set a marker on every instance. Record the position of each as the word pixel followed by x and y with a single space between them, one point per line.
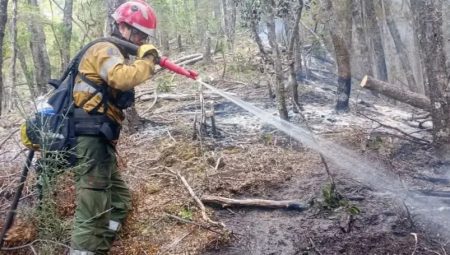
pixel 103 88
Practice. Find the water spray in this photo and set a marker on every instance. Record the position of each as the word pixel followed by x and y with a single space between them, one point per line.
pixel 430 209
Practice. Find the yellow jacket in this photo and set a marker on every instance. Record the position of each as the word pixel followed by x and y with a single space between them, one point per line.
pixel 104 63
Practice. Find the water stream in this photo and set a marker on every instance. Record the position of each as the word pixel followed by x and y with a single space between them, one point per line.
pixel 429 209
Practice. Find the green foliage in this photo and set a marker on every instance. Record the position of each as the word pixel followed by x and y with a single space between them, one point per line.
pixel 331 197
pixel 241 64
pixel 185 213
pixel 51 225
pixel 165 83
pixel 333 200
pixel 267 138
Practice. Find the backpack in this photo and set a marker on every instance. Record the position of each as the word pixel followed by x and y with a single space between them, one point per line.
pixel 55 128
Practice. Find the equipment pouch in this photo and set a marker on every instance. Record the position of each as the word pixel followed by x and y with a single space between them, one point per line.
pixel 124 99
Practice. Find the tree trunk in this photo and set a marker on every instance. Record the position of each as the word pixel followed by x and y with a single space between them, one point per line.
pixel 3 19
pixel 396 92
pixel 365 59
pixel 400 47
pixel 198 21
pixel 28 74
pixel 432 51
pixel 420 65
pixel 291 56
pixel 14 55
pixel 339 35
pixel 67 34
pixel 376 41
pixel 180 43
pixel 39 50
pixel 111 6
pixel 207 56
pixel 281 97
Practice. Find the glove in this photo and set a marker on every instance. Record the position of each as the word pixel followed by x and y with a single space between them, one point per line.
pixel 148 50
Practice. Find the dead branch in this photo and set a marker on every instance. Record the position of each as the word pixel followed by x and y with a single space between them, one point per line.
pixel 188 57
pixel 190 61
pixel 314 246
pixel 197 200
pixel 281 204
pixel 345 223
pixel 184 61
pixel 418 140
pixel 153 103
pixel 415 243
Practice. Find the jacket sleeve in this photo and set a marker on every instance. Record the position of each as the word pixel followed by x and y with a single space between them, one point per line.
pixel 110 65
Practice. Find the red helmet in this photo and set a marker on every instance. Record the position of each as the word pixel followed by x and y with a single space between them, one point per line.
pixel 137 14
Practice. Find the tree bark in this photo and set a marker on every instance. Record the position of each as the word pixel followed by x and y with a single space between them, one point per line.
pixel 420 65
pixel 229 20
pixel 111 6
pixel 400 47
pixel 376 41
pixel 207 56
pixel 291 56
pixel 432 51
pixel 361 38
pixel 281 97
pixel 395 92
pixel 28 74
pixel 14 55
pixel 3 19
pixel 67 34
pixel 39 50
pixel 341 37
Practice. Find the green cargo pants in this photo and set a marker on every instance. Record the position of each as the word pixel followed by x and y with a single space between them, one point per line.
pixel 102 197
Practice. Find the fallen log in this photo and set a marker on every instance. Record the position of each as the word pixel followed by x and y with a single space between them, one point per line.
pixel 392 91
pixel 228 202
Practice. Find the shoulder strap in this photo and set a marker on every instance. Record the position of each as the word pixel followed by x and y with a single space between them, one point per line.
pixel 75 62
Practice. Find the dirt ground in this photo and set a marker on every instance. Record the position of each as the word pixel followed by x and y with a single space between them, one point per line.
pixel 249 159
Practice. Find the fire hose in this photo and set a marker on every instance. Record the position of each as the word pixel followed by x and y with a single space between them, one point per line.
pixel 12 211
pixel 163 61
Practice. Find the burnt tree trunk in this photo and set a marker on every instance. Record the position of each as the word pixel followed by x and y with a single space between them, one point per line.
pixel 38 47
pixel 3 19
pixel 400 47
pixel 431 42
pixel 339 25
pixel 376 41
pixel 281 97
